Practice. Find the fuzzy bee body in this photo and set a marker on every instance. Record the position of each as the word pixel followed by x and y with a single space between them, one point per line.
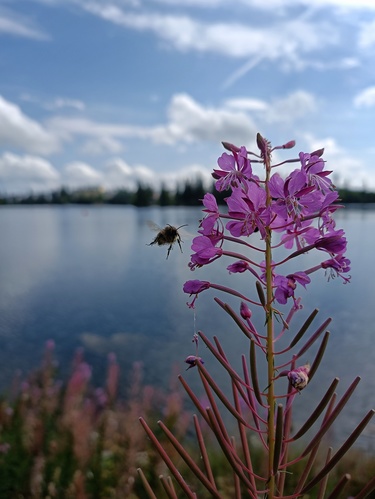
pixel 168 235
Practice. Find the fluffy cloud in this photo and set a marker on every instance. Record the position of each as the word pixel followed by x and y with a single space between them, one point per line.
pixel 15 25
pixel 187 122
pixel 19 131
pixel 20 174
pixel 283 110
pixel 190 122
pixel 283 39
pixel 119 174
pixel 289 109
pixel 102 145
pixel 366 37
pixel 349 171
pixel 78 174
pixel 366 98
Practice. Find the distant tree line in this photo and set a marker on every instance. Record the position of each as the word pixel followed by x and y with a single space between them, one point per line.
pixel 188 194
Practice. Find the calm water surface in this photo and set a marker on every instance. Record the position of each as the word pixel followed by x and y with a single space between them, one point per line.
pixel 85 277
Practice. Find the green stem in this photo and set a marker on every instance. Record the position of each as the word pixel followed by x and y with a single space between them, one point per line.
pixel 270 351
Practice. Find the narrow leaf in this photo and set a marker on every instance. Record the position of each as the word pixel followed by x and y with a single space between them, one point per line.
pixel 341 452
pixel 339 487
pixel 278 438
pixel 317 412
pixel 336 411
pixel 171 493
pixel 304 328
pixel 203 449
pixel 167 460
pixel 189 461
pixel 319 356
pixel 146 485
pixel 254 373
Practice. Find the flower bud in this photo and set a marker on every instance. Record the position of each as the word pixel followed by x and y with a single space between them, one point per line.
pixel 318 152
pixel 230 147
pixel 245 311
pixel 261 143
pixel 299 377
pixel 192 361
pixel 289 145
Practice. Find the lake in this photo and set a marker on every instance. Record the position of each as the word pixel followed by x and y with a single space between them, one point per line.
pixel 85 276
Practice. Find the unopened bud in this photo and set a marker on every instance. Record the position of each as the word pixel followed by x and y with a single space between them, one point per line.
pixel 261 143
pixel 230 147
pixel 245 311
pixel 289 145
pixel 192 361
pixel 318 152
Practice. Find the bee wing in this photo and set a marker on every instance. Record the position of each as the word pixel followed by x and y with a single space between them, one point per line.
pixel 153 226
pixel 185 234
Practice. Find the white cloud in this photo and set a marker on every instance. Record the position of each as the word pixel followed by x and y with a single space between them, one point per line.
pixel 348 171
pixel 20 174
pixel 15 25
pixel 366 37
pixel 282 110
pixel 284 39
pixel 190 173
pixel 274 4
pixel 119 174
pixel 64 102
pixel 55 104
pixel 102 145
pixel 246 104
pixel 68 127
pixel 289 109
pixel 19 131
pixel 78 174
pixel 191 122
pixel 188 122
pixel 366 98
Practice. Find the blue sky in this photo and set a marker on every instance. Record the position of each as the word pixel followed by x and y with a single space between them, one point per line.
pixel 112 92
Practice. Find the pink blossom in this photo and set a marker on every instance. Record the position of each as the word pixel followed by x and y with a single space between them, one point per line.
pixel 234 169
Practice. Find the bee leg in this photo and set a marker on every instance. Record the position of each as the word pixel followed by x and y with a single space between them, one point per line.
pixel 169 250
pixel 179 243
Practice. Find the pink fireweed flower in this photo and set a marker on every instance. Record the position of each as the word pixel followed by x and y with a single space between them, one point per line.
pixel 313 166
pixel 249 211
pixel 195 287
pixel 296 234
pixel 205 250
pixel 212 210
pixel 192 360
pixel 293 199
pixel 285 286
pixel 234 169
pixel 333 242
pixel 299 377
pixel 238 267
pixel 337 266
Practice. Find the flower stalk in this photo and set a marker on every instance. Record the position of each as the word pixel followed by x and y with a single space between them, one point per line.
pixel 265 212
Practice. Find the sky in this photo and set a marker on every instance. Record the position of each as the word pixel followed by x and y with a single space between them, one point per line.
pixel 110 93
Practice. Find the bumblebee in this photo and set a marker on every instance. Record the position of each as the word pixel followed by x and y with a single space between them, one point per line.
pixel 168 235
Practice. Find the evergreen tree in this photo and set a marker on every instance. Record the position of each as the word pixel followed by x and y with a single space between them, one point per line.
pixel 143 196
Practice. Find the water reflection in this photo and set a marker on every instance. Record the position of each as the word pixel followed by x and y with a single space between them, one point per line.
pixel 86 277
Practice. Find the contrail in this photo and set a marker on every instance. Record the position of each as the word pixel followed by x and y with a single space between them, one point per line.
pixel 248 66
